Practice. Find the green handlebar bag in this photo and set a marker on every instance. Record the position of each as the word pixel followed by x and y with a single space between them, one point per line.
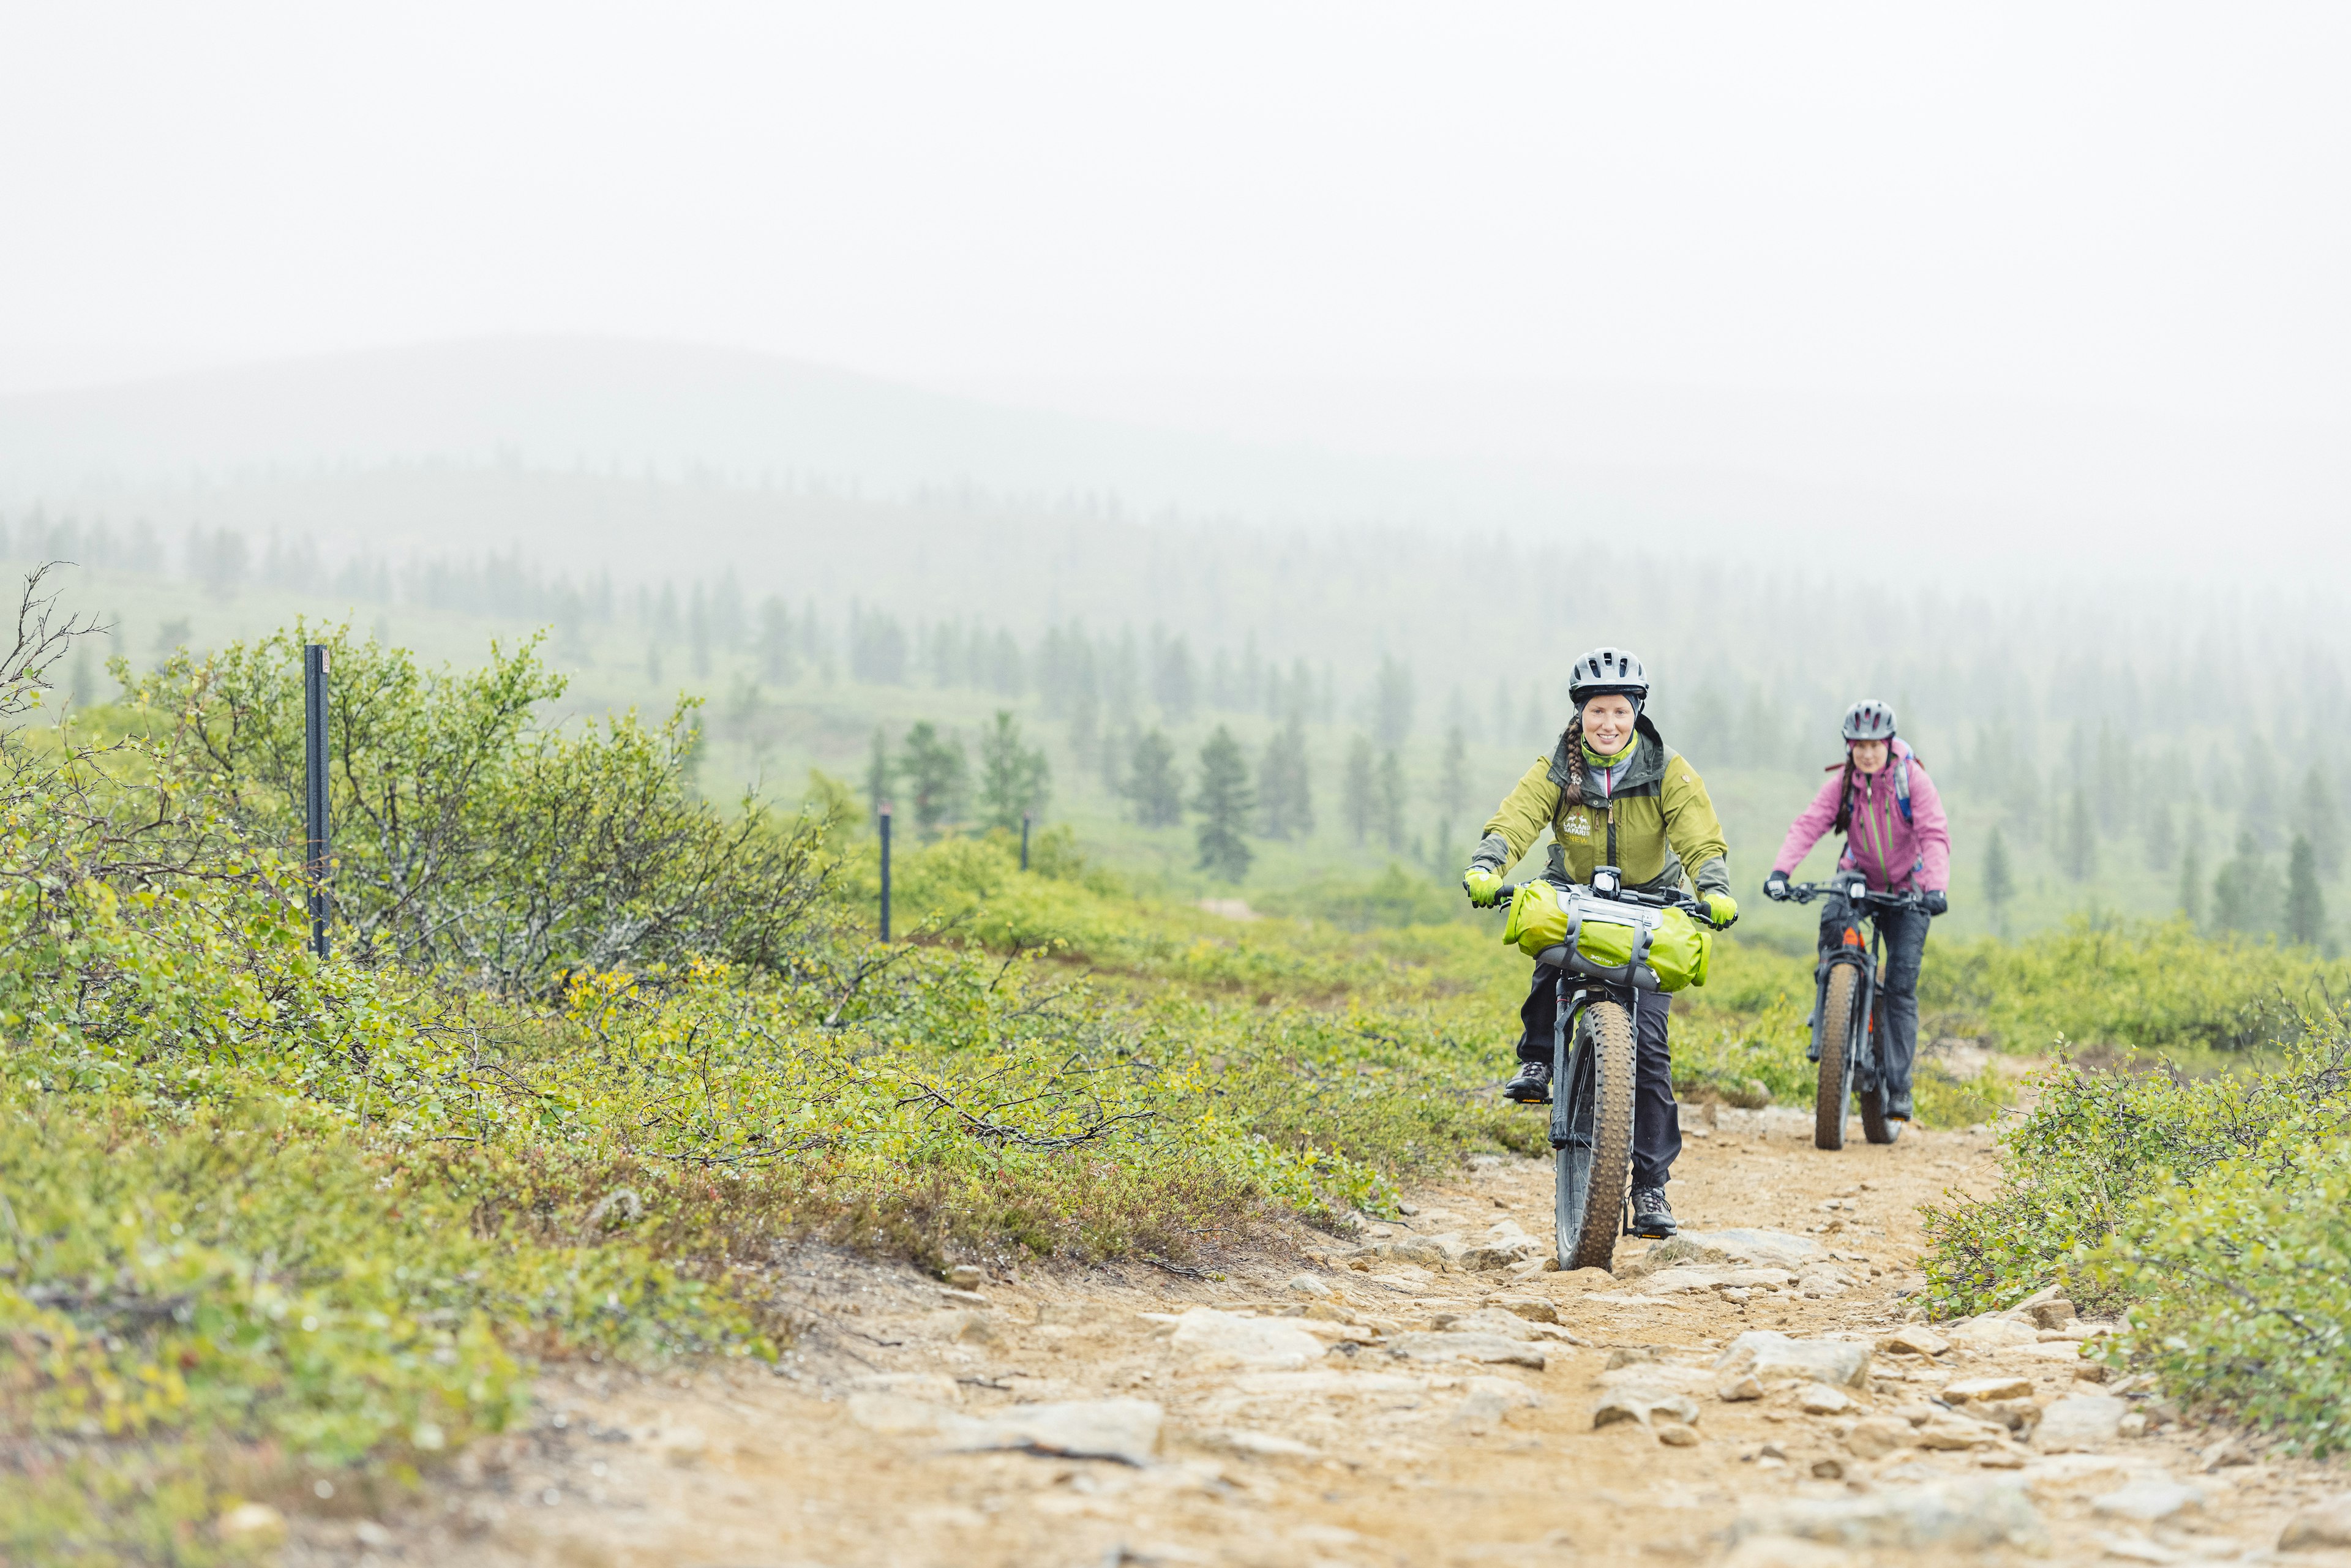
pixel 1679 949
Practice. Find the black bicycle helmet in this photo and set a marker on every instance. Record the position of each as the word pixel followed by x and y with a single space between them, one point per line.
pixel 1605 672
pixel 1869 719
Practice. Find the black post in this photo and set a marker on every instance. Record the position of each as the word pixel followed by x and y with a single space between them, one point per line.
pixel 314 758
pixel 885 869
pixel 1024 841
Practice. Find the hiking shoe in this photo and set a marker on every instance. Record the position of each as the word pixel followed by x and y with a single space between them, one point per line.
pixel 1531 1086
pixel 1653 1217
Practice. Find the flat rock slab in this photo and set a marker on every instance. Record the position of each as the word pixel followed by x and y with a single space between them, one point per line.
pixel 1754 1249
pixel 2001 1385
pixel 1123 1429
pixel 1914 1339
pixel 1973 1515
pixel 2148 1500
pixel 1991 1332
pixel 1714 1277
pixel 1473 1347
pixel 1773 1357
pixel 1215 1339
pixel 2079 1424
pixel 2318 1528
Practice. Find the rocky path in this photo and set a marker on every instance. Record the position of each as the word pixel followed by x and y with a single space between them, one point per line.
pixel 1758 1392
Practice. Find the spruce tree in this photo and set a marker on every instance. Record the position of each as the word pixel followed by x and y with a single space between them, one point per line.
pixel 935 771
pixel 1453 776
pixel 2081 838
pixel 2305 906
pixel 1285 803
pixel 2162 843
pixel 1224 803
pixel 1153 783
pixel 1389 800
pixel 1014 779
pixel 2319 817
pixel 1360 788
pixel 1999 881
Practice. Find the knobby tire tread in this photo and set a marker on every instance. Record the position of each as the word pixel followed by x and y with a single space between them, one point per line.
pixel 1839 1002
pixel 1606 1031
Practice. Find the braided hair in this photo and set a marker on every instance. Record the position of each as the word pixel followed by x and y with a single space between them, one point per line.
pixel 1572 738
pixel 1844 796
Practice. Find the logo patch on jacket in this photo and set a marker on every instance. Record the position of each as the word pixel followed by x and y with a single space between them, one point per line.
pixel 1576 823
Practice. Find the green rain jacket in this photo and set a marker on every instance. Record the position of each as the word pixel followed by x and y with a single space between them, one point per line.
pixel 1661 821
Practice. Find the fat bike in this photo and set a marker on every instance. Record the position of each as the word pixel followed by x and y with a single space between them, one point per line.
pixel 1848 1025
pixel 1592 1059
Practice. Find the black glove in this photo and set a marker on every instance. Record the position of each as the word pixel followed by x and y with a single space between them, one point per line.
pixel 1936 903
pixel 1775 886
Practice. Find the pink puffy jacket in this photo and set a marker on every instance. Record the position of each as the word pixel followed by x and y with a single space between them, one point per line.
pixel 1894 854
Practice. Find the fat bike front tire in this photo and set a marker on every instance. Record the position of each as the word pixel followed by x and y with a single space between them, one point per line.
pixel 1832 1092
pixel 1594 1165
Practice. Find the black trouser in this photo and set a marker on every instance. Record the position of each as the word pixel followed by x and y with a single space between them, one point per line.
pixel 1657 1123
pixel 1905 931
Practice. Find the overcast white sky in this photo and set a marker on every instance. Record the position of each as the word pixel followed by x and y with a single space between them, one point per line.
pixel 2129 205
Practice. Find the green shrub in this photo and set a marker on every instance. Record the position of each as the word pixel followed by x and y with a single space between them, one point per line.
pixel 2214 1210
pixel 2156 988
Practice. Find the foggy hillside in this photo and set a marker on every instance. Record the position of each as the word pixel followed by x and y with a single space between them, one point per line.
pixel 414 448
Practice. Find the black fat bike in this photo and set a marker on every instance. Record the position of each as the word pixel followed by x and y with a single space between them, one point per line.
pixel 1848 1026
pixel 1592 1058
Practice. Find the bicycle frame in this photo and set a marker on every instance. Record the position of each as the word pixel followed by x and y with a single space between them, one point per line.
pixel 1862 1061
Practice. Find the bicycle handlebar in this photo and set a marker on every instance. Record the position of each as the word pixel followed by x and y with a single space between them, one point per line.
pixel 1672 898
pixel 1805 892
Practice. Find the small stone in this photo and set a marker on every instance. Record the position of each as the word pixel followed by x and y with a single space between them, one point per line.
pixel 2049 1314
pixel 253 1523
pixel 1258 1444
pixel 1534 1309
pixel 1123 1429
pixel 1213 1340
pixel 372 1535
pixel 1874 1437
pixel 966 1276
pixel 2148 1500
pixel 1673 1435
pixel 2079 1423
pixel 1830 1468
pixel 1774 1357
pixel 1645 1403
pixel 964 1297
pixel 2134 1424
pixel 1734 1389
pixel 1819 1399
pixel 2317 1528
pixel 1309 1286
pixel 1484 1347
pixel 1956 1433
pixel 2093 1372
pixel 1971 1515
pixel 2001 1385
pixel 1990 1332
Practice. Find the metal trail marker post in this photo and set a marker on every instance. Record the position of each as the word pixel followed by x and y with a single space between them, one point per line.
pixel 884 816
pixel 1024 841
pixel 317 859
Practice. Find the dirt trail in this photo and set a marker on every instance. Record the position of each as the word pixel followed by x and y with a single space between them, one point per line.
pixel 1352 1431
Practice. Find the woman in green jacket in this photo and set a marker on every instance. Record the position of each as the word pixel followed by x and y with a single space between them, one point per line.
pixel 1612 793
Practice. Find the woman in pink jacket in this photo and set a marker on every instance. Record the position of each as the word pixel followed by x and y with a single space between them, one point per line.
pixel 1895 835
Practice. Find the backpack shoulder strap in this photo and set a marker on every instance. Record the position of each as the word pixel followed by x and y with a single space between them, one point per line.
pixel 1902 783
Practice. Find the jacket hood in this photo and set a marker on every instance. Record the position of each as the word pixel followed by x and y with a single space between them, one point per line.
pixel 1647 767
